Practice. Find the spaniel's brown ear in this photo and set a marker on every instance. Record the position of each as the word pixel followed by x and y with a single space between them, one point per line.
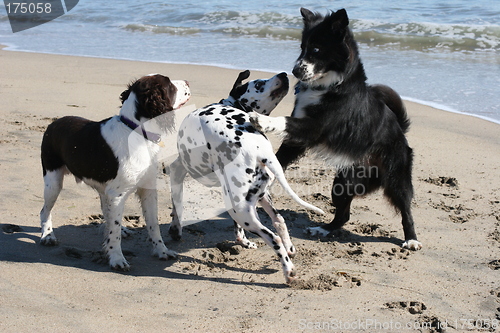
pixel 124 95
pixel 155 96
pixel 161 96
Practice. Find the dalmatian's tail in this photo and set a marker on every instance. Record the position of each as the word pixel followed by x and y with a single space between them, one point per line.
pixel 275 167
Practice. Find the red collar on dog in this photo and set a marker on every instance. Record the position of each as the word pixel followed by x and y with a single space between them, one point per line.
pixel 153 137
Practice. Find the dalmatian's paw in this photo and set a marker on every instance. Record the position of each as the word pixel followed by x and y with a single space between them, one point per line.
pixel 246 244
pixel 48 239
pixel 119 263
pixel 162 252
pixel 126 232
pixel 290 275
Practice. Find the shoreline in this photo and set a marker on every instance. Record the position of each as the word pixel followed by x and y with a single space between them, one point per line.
pixel 456 207
pixel 445 108
pixel 441 107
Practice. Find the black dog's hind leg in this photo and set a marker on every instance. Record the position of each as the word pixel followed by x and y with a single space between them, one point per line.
pixel 342 196
pixel 399 190
pixel 288 154
pixel 348 183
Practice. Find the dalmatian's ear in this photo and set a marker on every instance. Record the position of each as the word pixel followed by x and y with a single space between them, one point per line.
pixel 242 76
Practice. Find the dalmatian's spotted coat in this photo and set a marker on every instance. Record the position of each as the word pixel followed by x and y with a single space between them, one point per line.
pixel 219 147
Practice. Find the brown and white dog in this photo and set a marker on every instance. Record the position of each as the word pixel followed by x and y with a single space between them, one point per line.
pixel 115 156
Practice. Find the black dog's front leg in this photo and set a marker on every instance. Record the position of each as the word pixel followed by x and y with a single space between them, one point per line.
pixel 299 132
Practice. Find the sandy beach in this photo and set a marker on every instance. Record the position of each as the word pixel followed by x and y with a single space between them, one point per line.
pixel 359 280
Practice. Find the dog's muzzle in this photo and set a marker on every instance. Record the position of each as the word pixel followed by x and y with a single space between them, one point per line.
pixel 298 71
pixel 303 71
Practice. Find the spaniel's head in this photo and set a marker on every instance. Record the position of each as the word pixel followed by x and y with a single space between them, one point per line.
pixel 156 94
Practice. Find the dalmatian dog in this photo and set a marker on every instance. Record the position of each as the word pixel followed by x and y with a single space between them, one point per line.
pixel 218 146
pixel 117 157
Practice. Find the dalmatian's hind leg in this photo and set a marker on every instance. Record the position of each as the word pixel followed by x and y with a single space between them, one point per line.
pixel 241 238
pixel 248 219
pixel 279 224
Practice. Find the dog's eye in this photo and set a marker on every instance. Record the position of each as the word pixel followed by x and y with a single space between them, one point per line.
pixel 259 84
pixel 315 50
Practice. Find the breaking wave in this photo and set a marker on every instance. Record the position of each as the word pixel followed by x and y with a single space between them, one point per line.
pixel 416 36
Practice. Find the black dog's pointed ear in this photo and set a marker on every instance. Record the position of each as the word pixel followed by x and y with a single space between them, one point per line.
pixel 242 76
pixel 307 15
pixel 310 18
pixel 340 19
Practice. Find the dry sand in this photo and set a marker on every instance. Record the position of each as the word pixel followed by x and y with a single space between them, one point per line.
pixel 361 279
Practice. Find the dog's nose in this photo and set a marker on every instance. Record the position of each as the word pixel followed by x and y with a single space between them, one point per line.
pixel 283 80
pixel 283 76
pixel 297 71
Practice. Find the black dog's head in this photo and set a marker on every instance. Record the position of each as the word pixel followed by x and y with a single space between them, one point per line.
pixel 329 51
pixel 155 95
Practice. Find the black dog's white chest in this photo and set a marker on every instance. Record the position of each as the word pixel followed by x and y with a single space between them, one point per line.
pixel 304 100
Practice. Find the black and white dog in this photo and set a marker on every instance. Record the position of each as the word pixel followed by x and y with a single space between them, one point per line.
pixel 358 128
pixel 115 159
pixel 219 147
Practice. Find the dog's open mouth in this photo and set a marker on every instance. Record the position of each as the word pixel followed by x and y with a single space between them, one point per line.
pixel 282 86
pixel 277 92
pixel 182 104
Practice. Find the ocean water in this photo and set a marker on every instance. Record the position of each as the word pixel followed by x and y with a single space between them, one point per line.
pixel 442 53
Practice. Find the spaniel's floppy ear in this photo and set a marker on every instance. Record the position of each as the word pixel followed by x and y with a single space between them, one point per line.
pixel 157 96
pixel 124 95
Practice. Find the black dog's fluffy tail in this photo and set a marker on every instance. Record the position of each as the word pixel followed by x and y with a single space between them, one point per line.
pixel 393 102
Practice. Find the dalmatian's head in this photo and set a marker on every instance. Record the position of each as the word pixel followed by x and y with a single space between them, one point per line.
pixel 261 96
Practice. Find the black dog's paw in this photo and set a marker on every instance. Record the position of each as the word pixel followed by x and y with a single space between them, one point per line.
pixel 412 244
pixel 254 120
pixel 265 124
pixel 317 232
